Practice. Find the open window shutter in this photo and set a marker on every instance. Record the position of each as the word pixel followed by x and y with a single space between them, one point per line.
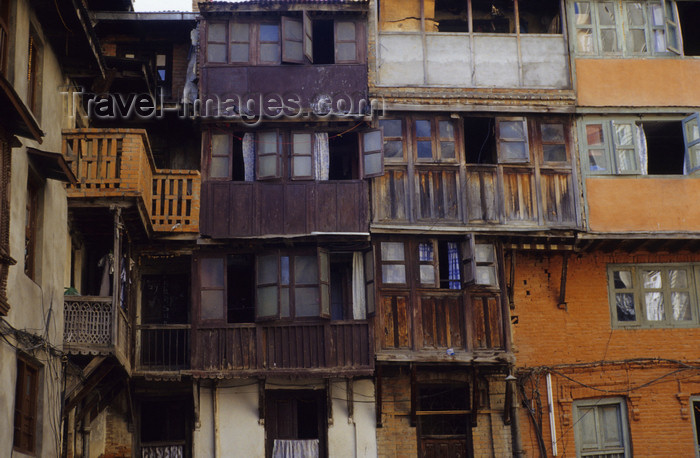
pixel 324 282
pixel 625 149
pixel 428 275
pixel 268 155
pixel 674 40
pixel 211 276
pixel 691 138
pixel 267 291
pixel 468 261
pixel 292 40
pixel 372 153
pixel 302 156
pixel 369 281
pixel 512 140
pixel 308 37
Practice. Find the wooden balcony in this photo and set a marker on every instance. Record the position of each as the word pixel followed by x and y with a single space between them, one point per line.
pixel 94 326
pixel 337 347
pixel 470 326
pixel 252 209
pixel 117 164
pixel 163 348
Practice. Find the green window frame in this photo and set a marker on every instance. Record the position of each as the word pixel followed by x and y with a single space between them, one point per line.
pixel 601 428
pixel 610 147
pixel 653 295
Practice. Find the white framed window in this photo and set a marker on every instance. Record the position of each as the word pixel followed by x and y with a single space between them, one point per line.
pixel 601 428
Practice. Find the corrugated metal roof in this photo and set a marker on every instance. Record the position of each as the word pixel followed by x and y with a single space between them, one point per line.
pixel 267 5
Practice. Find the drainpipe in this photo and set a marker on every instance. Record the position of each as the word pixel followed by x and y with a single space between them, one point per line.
pixel 516 439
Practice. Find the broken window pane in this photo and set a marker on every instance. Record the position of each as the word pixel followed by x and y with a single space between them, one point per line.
pixel 451 16
pixel 623 279
pixel 606 14
pixel 584 27
pixel 493 16
pixel 608 40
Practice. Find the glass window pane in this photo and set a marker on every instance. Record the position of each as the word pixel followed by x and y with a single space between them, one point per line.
pixel 423 128
pixel 425 252
pixel 395 273
pixel 293 30
pixel 302 144
pixel 306 302
pixel 302 166
pixel 427 274
pixel 692 131
pixel 305 270
pixel 659 41
pixel 680 305
pixel 514 151
pixel 293 50
pixel 216 32
pixel 346 51
pixel 392 127
pixel 594 134
pixel 652 279
pixel 211 272
pixel 240 52
pixel 657 15
pixel 345 31
pixel 606 13
pixel 219 145
pixel 678 278
pixel 372 141
pixel 267 269
pixel 267 301
pixel 219 167
pixel 554 153
pixel 553 133
pixel 373 163
pixel 597 160
pixel 626 160
pixel 270 52
pixel 447 150
pixel 392 251
pixel 624 303
pixel 608 39
pixel 425 150
pixel 393 149
pixel 486 275
pixel 484 252
pixel 240 32
pixel 622 279
pixel 284 270
pixel 583 13
pixel 514 130
pixel 611 425
pixel 284 303
pixel 624 135
pixel 267 142
pixel 447 129
pixel 216 52
pixel 584 38
pixel 268 166
pixel 637 41
pixel 212 305
pixel 269 32
pixel 587 426
pixel 635 14
pixel 654 305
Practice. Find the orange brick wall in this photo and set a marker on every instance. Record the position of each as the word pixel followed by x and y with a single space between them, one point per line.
pixel 398 439
pixel 660 422
pixel 118 442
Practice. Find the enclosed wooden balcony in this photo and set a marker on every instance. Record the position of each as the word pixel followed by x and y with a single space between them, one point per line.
pixel 117 165
pixel 95 326
pixel 313 348
pixel 437 324
pixel 251 209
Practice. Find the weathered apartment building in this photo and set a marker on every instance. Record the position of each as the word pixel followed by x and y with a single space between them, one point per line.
pixel 390 228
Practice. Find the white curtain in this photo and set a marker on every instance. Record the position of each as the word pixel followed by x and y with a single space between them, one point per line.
pixel 249 156
pixel 642 148
pixel 295 448
pixel 321 158
pixel 358 287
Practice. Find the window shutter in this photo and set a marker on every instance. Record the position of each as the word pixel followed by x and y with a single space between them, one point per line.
pixel 512 143
pixel 345 42
pixel 267 279
pixel 691 138
pixel 597 144
pixel 308 37
pixel 268 155
pixel 302 156
pixel 674 40
pixel 624 142
pixel 324 282
pixel 220 158
pixel 468 261
pixel 292 40
pixel 212 288
pixel 372 153
pixel 369 281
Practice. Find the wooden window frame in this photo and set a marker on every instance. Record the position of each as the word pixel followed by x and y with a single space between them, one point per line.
pixel 201 288
pixel 638 290
pixel 540 143
pixel 403 139
pixel 26 405
pixel 433 263
pixel 210 157
pixel 365 153
pixel 381 262
pixel 278 154
pixel 596 404
pixel 311 155
pixel 500 139
pixel 225 43
pixel 259 42
pixel 230 41
pixel 337 41
pixel 6 41
pixel 285 22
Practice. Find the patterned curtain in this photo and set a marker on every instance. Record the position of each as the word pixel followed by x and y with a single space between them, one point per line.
pixel 322 156
pixel 358 287
pixel 453 265
pixel 249 156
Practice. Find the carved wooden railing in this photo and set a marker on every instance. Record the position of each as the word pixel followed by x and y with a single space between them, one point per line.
pixel 171 449
pixel 93 326
pixel 338 346
pixel 118 163
pixel 164 347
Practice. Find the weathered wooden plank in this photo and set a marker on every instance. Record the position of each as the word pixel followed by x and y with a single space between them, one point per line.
pixel 241 206
pixel 428 308
pixel 270 203
pixel 403 320
pixel 295 205
pixel 327 214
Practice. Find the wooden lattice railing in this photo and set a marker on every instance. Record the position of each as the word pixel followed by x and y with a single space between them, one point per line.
pixel 118 163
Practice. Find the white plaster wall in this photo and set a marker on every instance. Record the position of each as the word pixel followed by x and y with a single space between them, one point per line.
pixel 400 59
pixel 8 374
pixel 242 435
pixel 496 61
pixel 545 61
pixel 98 435
pixel 449 60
